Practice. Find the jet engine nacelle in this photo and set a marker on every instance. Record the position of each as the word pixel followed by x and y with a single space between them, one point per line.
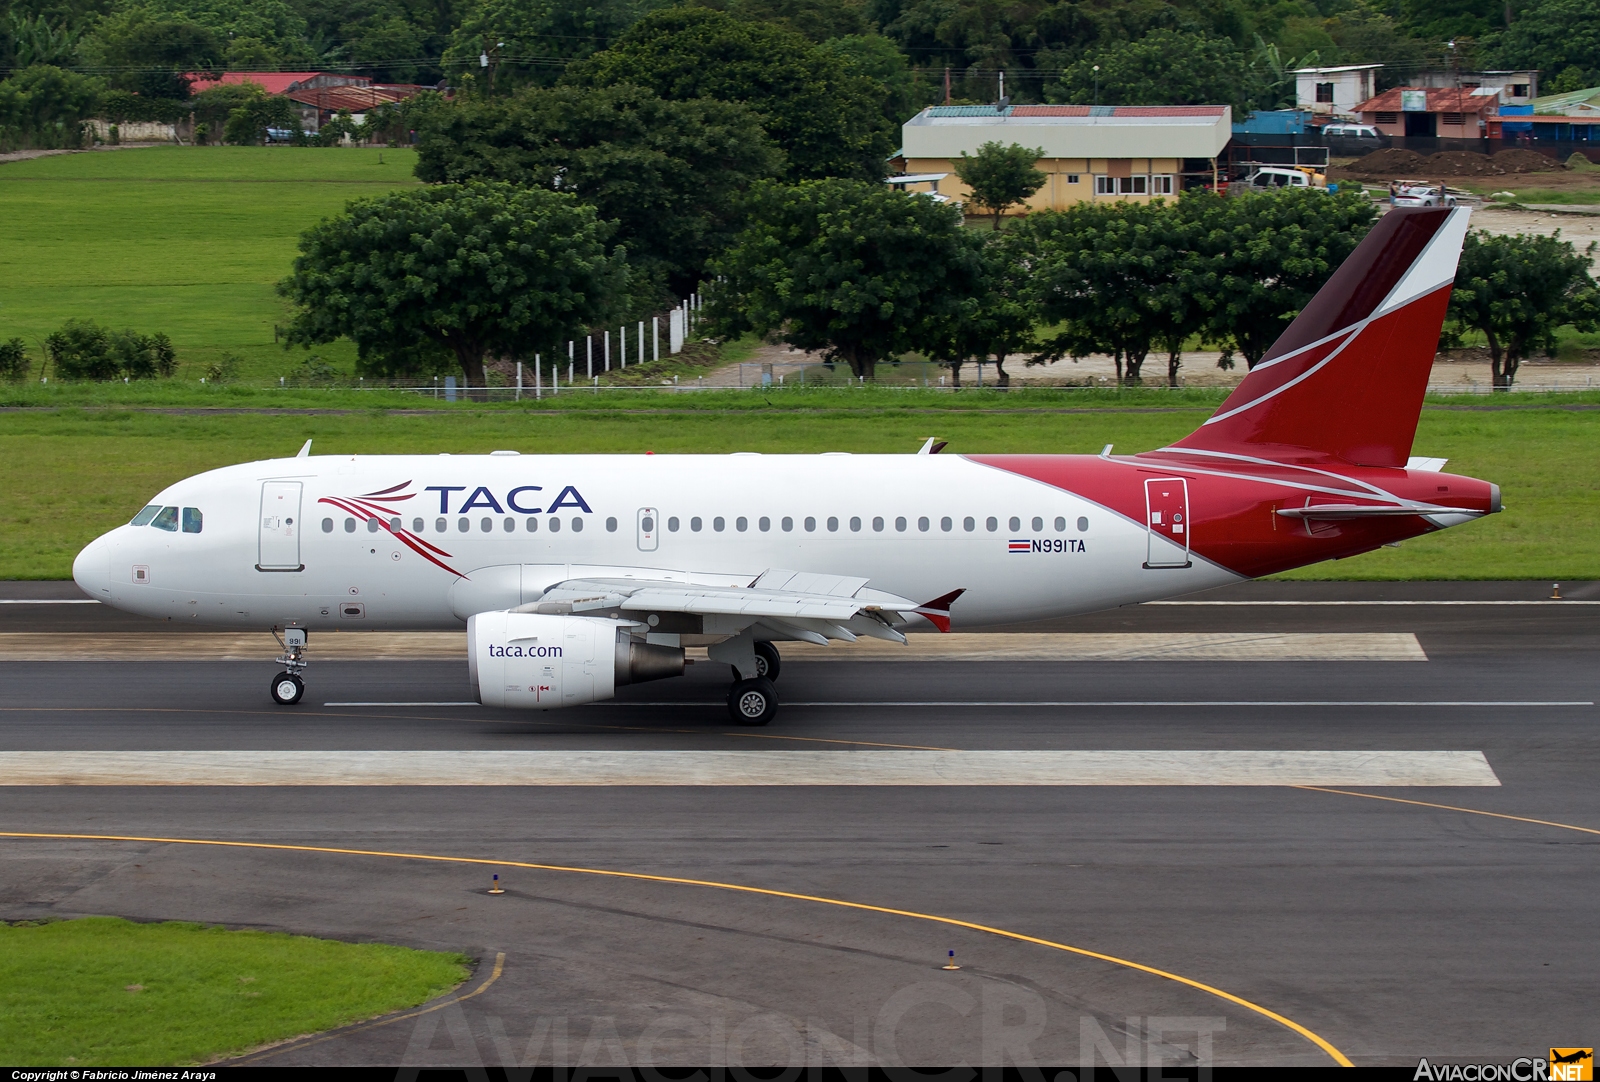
pixel 532 661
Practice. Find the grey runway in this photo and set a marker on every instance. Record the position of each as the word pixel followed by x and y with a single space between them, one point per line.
pixel 1391 920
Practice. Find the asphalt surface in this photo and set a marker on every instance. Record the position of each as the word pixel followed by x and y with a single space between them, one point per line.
pixel 1390 930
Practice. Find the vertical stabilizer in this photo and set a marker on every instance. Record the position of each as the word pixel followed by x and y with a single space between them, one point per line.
pixel 1346 380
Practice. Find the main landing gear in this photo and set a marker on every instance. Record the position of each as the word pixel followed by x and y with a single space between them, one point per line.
pixel 287 686
pixel 754 700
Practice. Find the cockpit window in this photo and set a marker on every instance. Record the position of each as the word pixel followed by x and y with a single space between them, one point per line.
pixel 167 520
pixel 143 517
pixel 192 520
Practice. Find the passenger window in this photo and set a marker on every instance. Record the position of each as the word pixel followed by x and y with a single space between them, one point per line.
pixel 510 525
pixel 327 525
pixel 855 524
pixel 416 525
pixel 763 524
pixel 719 524
pixel 946 524
pixel 143 517
pixel 900 524
pixel 372 525
pixel 463 524
pixel 922 523
pixel 991 524
pixel 349 525
pixel 533 525
pixel 1061 524
pixel 1083 524
pixel 694 524
pixel 741 524
pixel 1016 524
pixel 787 524
pixel 555 525
pixel 486 524
pixel 167 520
pixel 811 524
pixel 440 525
pixel 969 524
pixel 394 524
pixel 1038 524
pixel 192 520
pixel 833 524
pixel 877 524
pixel 672 524
pixel 611 526
pixel 577 524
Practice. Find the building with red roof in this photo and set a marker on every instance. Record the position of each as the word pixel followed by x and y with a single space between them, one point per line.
pixel 321 95
pixel 1425 111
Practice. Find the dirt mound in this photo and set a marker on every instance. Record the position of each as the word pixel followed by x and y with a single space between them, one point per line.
pixel 1526 161
pixel 1391 161
pixel 1460 163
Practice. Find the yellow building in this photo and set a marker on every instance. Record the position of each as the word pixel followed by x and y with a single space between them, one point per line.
pixel 1091 152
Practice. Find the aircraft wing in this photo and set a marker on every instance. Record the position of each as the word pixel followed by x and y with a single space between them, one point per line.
pixel 799 605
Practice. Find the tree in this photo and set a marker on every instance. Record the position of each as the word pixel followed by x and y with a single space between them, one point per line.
pixel 874 57
pixel 44 106
pixel 14 365
pixel 471 270
pixel 1267 255
pixel 1165 67
pixel 994 321
pixel 153 55
pixel 82 349
pixel 522 37
pixel 1518 291
pixel 1001 176
pixel 668 173
pixel 267 29
pixel 847 267
pixel 828 121
pixel 249 122
pixel 1557 36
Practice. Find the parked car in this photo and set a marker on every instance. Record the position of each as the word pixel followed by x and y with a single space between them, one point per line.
pixel 1272 177
pixel 1406 194
pixel 1353 139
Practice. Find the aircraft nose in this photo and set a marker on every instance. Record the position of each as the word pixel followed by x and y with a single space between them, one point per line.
pixel 92 569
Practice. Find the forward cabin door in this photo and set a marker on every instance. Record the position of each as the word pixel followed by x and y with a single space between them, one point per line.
pixel 280 527
pixel 1166 503
pixel 649 529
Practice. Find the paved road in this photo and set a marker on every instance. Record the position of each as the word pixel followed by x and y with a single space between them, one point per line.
pixel 1390 930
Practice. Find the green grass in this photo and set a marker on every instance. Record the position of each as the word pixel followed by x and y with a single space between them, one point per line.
pixel 74 473
pixel 1550 195
pixel 186 240
pixel 106 992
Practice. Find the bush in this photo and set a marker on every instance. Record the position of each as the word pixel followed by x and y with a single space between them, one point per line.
pixel 14 366
pixel 82 349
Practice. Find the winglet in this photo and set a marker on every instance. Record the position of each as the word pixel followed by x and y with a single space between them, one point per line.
pixel 933 446
pixel 937 611
pixel 305 450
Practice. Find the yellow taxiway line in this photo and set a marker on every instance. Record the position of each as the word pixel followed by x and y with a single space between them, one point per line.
pixel 1337 1056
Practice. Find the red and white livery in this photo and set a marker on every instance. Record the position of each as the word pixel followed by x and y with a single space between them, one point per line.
pixel 574 574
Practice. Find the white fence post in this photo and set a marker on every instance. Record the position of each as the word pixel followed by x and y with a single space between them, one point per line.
pixel 655 338
pixel 588 354
pixel 538 386
pixel 639 355
pixel 608 350
pixel 571 365
pixel 675 331
pixel 622 344
pixel 519 381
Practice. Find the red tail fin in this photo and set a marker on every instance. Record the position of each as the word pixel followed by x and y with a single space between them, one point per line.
pixel 937 611
pixel 1346 379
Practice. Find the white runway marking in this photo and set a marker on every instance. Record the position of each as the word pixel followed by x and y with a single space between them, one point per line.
pixel 463 703
pixel 1083 702
pixel 48 601
pixel 763 768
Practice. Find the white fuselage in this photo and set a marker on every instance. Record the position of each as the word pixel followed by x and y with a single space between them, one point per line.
pixel 918 526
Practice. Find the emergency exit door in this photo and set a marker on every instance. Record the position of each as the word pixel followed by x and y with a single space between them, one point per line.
pixel 1166 503
pixel 279 527
pixel 649 529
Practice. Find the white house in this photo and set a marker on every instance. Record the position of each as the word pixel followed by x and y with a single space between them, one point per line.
pixel 1335 92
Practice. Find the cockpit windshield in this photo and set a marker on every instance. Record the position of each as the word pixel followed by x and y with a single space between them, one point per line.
pixel 166 520
pixel 143 517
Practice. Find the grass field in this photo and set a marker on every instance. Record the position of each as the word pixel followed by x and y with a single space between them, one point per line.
pixel 74 473
pixel 186 240
pixel 106 992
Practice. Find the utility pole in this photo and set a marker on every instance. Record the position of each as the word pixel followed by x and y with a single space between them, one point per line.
pixel 947 82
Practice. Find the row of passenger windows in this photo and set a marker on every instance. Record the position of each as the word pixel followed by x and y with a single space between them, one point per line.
pixel 486 524
pixel 169 518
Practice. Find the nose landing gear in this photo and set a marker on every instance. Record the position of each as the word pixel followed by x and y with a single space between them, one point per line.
pixel 287 686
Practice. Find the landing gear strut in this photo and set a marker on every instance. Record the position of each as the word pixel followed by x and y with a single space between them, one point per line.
pixel 287 686
pixel 753 702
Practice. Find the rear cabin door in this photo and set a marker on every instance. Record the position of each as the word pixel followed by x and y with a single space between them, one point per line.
pixel 280 527
pixel 1166 502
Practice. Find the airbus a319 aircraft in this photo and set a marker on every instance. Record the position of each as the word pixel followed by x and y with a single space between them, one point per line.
pixel 576 574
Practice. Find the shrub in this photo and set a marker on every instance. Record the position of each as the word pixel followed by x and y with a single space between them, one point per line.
pixel 14 366
pixel 82 349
